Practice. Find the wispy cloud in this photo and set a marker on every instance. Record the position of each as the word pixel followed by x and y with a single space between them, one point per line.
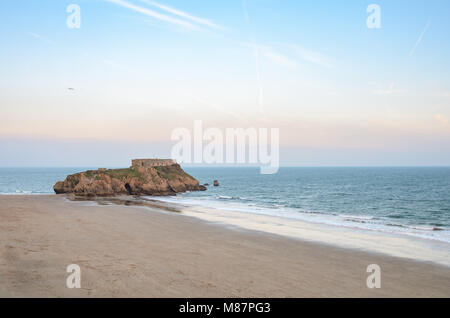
pixel 313 57
pixel 156 15
pixel 292 59
pixel 411 53
pixel 183 14
pixel 392 89
pixel 218 108
pixel 280 59
pixel 273 55
pixel 39 37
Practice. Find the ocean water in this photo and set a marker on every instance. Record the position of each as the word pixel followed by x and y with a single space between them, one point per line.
pixel 407 201
pixel 33 180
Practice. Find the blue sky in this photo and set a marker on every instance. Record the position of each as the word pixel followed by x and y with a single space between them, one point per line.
pixel 341 93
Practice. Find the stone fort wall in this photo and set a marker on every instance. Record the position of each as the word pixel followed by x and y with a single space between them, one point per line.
pixel 152 162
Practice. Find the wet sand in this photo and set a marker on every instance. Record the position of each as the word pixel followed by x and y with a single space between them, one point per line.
pixel 152 251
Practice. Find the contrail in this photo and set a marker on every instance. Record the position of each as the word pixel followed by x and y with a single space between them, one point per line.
pixel 411 53
pixel 256 54
pixel 183 14
pixel 155 15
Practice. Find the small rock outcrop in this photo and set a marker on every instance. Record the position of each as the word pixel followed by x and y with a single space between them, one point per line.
pixel 147 180
pixel 216 183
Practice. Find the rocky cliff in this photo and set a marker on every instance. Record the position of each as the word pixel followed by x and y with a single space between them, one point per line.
pixel 166 180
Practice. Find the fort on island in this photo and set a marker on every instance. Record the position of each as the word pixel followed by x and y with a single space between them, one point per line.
pixel 144 163
pixel 157 177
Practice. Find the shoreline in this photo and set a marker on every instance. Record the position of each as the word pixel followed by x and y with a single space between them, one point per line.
pixel 136 251
pixel 414 248
pixel 372 241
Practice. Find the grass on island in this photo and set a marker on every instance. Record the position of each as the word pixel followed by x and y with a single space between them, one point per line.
pixel 123 173
pixel 165 172
pixel 114 173
pixel 171 172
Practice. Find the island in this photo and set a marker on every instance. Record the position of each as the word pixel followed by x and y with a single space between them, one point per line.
pixel 153 177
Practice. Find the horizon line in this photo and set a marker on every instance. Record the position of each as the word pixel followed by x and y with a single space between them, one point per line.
pixel 243 166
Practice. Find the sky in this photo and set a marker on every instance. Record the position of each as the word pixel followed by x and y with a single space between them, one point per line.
pixel 340 93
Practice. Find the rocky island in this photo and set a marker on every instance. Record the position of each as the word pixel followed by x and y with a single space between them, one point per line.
pixel 145 177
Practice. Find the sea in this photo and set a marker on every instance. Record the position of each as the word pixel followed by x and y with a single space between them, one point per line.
pixel 405 201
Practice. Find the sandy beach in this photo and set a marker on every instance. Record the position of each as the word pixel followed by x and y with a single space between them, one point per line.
pixel 139 251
